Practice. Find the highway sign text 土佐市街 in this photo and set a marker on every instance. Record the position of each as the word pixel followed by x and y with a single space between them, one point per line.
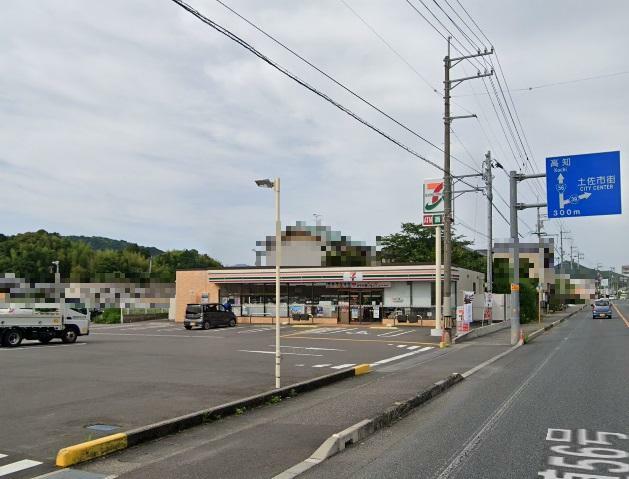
pixel 583 185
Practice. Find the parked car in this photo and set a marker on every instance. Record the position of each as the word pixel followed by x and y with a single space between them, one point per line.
pixel 601 308
pixel 208 316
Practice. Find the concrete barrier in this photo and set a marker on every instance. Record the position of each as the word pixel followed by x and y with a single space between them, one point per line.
pixel 482 331
pixel 89 450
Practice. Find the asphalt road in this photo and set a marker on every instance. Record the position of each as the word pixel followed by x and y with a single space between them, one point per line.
pixel 535 411
pixel 132 375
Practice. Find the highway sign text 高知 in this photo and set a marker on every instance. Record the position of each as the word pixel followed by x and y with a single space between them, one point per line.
pixel 433 202
pixel 583 185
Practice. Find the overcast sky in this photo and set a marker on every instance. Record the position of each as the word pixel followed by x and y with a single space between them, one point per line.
pixel 134 120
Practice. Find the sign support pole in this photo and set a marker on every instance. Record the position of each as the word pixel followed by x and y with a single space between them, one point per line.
pixel 438 324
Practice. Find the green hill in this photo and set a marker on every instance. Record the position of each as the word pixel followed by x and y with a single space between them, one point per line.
pixel 83 259
pixel 100 243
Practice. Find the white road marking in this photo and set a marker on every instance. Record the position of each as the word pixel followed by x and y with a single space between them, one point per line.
pixel 405 355
pixel 18 466
pixel 26 347
pixel 322 365
pixel 203 336
pixel 299 365
pixel 343 366
pixel 273 352
pixel 307 348
pixel 397 334
pixel 412 348
pixel 2 455
pixel 401 345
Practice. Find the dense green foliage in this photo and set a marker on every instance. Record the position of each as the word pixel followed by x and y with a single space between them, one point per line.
pixel 30 256
pixel 416 244
pixel 528 292
pixel 100 243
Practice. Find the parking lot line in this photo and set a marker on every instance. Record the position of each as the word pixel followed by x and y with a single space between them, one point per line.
pixel 307 347
pixel 401 356
pixel 160 335
pixel 18 466
pixel 27 347
pixel 382 341
pixel 343 366
pixel 273 352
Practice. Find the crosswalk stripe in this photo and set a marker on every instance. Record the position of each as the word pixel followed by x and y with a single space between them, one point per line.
pixel 398 334
pixel 412 347
pixel 342 366
pixel 18 466
pixel 322 365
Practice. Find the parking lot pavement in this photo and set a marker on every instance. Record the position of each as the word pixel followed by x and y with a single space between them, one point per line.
pixel 126 376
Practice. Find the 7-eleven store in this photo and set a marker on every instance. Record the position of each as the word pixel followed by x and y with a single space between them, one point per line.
pixel 324 295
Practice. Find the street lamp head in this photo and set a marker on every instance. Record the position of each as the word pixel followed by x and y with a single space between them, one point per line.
pixel 266 183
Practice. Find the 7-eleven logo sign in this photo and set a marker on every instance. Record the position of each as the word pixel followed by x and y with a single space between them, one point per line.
pixel 433 197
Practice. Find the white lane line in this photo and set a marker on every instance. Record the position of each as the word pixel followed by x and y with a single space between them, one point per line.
pixel 401 345
pixel 343 366
pixel 26 347
pixel 388 333
pixel 273 352
pixel 204 336
pixel 18 466
pixel 307 348
pixel 395 358
pixel 322 365
pixel 398 334
pixel 412 348
pixel 2 455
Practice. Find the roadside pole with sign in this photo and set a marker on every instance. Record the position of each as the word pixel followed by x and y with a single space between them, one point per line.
pixel 433 210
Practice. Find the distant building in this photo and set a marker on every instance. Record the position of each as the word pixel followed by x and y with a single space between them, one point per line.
pixel 317 245
pixel 625 269
pixel 536 261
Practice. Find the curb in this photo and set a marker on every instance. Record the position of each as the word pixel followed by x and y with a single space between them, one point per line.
pixel 103 446
pixel 482 331
pixel 339 441
pixel 530 337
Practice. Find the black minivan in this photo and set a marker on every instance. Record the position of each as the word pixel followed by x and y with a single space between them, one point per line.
pixel 208 316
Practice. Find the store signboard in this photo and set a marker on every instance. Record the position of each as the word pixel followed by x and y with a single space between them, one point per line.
pixel 362 285
pixel 351 277
pixel 433 202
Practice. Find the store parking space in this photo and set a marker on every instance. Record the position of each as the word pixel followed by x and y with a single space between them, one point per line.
pixel 134 374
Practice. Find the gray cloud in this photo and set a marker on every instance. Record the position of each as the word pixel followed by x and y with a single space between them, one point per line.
pixel 135 120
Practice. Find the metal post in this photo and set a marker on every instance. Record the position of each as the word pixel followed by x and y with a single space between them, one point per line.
pixel 515 284
pixel 438 324
pixel 447 194
pixel 490 200
pixel 278 260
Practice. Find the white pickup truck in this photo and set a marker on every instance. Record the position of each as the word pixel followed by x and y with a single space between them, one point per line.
pixel 42 323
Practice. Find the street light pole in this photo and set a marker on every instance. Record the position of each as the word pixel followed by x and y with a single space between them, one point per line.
pixel 278 261
pixel 275 184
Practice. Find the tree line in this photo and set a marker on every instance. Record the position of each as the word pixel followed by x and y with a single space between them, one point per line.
pixel 30 256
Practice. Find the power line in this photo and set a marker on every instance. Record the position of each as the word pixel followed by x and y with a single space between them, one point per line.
pixel 390 47
pixel 253 50
pixel 328 76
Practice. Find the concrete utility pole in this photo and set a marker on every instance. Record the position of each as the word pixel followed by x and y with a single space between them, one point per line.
pixel 438 322
pixel 490 203
pixel 448 85
pixel 514 178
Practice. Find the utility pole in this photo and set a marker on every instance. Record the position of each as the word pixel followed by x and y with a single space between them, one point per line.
pixel 514 178
pixel 449 85
pixel 490 201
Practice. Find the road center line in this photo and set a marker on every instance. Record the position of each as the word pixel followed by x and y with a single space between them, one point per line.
pixel 205 336
pixel 473 443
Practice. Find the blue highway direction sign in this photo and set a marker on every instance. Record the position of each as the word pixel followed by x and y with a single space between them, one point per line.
pixel 583 185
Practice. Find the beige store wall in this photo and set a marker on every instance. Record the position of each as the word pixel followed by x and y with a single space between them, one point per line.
pixel 190 285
